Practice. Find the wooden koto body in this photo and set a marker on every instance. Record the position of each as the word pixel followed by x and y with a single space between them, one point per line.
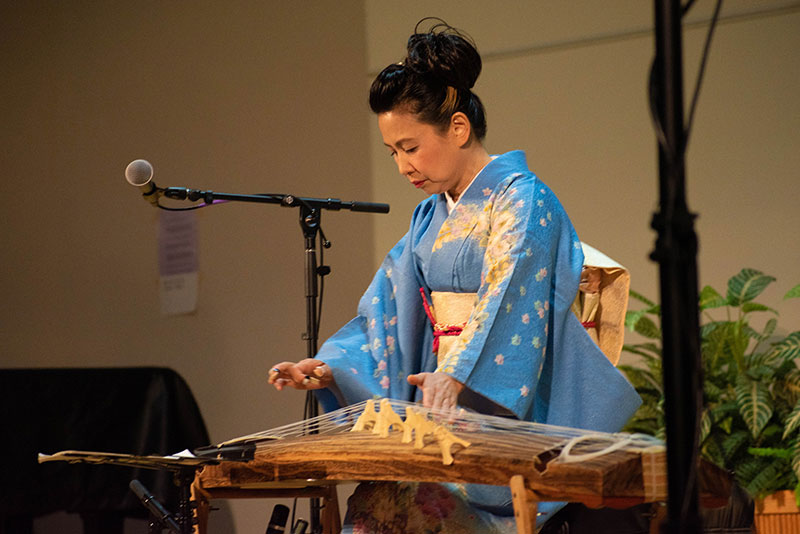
pixel 537 462
pixel 615 479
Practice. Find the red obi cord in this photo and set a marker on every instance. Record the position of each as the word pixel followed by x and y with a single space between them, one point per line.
pixel 438 329
pixel 589 324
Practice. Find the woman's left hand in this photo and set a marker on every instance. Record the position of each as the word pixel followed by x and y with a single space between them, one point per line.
pixel 439 390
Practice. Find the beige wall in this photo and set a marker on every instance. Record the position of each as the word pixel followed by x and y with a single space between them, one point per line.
pixel 233 96
pixel 566 82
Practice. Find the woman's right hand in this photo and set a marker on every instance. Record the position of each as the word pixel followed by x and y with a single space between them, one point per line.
pixel 305 374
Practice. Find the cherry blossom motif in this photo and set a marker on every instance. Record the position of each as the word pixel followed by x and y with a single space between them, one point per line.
pixel 516 339
pixel 390 344
pixel 354 370
pixel 382 365
pixel 499 359
pixel 526 318
pixel 388 272
pixel 365 347
pixel 520 203
pixel 372 323
pixel 540 203
pixel 547 305
pixel 385 382
pixel 543 221
pixel 536 342
pixel 523 391
pixel 529 252
pixel 541 274
pixel 375 300
pixel 540 311
pixel 393 320
pixel 522 291
pixel 486 191
pixel 376 344
pixel 508 307
pixel 549 216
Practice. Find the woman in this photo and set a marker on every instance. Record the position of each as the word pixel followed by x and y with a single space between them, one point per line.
pixel 471 307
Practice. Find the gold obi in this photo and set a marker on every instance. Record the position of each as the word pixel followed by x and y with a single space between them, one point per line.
pixel 450 310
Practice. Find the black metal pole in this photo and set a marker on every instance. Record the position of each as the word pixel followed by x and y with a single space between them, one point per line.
pixel 676 253
pixel 310 223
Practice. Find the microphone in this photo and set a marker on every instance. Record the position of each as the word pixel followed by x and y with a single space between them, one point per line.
pixel 277 523
pixel 139 172
pixel 156 508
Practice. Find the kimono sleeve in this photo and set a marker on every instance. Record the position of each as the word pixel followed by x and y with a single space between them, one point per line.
pixel 372 355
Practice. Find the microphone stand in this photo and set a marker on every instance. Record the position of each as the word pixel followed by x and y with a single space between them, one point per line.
pixel 310 220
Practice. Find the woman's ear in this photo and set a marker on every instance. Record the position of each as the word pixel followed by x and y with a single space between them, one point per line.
pixel 460 128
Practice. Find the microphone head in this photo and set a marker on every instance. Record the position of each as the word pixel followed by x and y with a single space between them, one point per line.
pixel 139 172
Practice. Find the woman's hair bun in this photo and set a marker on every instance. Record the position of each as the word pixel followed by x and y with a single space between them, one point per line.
pixel 435 80
pixel 444 54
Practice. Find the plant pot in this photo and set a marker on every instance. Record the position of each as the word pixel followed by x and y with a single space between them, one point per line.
pixel 777 514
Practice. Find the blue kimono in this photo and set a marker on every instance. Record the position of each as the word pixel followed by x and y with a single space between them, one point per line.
pixel 509 240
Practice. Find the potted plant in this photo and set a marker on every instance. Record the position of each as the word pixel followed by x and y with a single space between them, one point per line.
pixel 750 424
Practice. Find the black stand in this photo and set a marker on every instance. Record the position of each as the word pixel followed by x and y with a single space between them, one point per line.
pixel 310 217
pixel 160 518
pixel 676 253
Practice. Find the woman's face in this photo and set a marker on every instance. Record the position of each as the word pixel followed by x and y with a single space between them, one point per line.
pixel 429 157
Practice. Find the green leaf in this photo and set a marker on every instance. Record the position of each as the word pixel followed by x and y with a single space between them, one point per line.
pixel 787 349
pixel 647 328
pixel 710 298
pixel 648 351
pixel 632 317
pixel 765 481
pixel 792 422
pixel 748 307
pixel 769 328
pixel 771 452
pixel 733 443
pixel 754 404
pixel 705 425
pixel 748 469
pixel 641 298
pixel 747 285
pixel 792 293
pixel 796 458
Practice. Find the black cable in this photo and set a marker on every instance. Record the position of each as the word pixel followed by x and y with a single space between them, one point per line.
pixel 702 70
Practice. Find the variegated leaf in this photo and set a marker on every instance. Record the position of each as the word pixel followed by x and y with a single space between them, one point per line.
pixel 647 328
pixel 792 422
pixel 754 404
pixel 787 349
pixel 747 285
pixel 764 482
pixel 795 446
pixel 710 298
pixel 732 443
pixel 705 425
pixel 769 328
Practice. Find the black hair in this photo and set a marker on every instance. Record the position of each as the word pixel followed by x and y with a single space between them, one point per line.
pixel 434 80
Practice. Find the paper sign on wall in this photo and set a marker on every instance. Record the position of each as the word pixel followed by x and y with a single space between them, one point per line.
pixel 177 261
